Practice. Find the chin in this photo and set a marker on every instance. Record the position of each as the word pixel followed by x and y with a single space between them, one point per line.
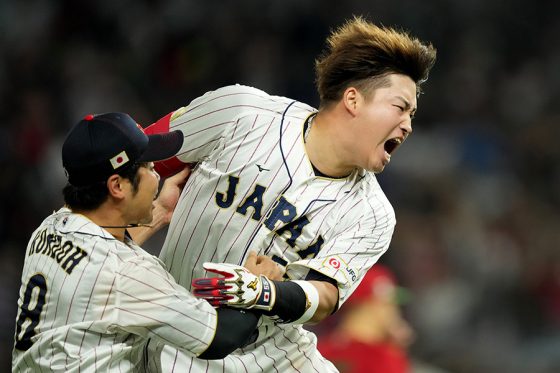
pixel 376 169
pixel 147 219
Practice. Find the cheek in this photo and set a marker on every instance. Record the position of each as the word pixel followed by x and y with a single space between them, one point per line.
pixel 148 186
pixel 151 180
pixel 379 118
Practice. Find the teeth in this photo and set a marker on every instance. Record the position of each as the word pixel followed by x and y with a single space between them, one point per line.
pixel 398 141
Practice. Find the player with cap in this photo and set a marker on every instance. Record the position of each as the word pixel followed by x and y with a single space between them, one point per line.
pixel 298 184
pixel 90 297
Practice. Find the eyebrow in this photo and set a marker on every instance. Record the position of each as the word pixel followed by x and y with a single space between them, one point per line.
pixel 407 105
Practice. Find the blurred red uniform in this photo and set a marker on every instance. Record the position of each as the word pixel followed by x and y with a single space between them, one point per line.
pixel 371 335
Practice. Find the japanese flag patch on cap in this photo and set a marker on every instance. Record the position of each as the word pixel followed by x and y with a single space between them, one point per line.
pixel 119 160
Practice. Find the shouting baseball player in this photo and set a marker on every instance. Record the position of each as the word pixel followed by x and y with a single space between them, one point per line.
pixel 90 297
pixel 297 184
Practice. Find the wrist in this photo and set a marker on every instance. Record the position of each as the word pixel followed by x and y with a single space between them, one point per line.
pixel 267 297
pixel 296 302
pixel 161 216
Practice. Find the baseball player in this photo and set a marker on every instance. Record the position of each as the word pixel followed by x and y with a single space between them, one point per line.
pixel 294 183
pixel 90 297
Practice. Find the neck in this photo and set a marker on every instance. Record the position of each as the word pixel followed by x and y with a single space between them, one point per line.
pixel 323 147
pixel 110 221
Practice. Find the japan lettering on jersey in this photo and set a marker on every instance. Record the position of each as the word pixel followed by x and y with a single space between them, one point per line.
pixel 254 188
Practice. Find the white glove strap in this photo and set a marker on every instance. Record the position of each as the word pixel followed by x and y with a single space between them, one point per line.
pixel 311 302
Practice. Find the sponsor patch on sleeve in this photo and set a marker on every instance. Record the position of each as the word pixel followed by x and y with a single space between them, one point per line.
pixel 334 262
pixel 340 270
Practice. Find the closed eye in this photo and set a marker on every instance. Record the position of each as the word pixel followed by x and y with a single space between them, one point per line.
pixel 403 109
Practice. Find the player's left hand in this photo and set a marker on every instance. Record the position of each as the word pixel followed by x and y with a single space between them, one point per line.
pixel 237 287
pixel 170 192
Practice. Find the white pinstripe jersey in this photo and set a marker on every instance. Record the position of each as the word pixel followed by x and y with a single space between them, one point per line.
pixel 254 188
pixel 90 303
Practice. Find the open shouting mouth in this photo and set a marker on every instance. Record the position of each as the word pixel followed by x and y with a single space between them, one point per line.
pixel 392 144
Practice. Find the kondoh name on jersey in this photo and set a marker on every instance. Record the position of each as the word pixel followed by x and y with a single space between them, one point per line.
pixel 66 254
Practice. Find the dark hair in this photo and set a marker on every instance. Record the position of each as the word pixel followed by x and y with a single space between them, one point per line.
pixel 362 54
pixel 89 197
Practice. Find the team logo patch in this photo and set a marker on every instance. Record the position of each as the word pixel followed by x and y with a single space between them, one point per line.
pixel 334 262
pixel 335 267
pixel 119 160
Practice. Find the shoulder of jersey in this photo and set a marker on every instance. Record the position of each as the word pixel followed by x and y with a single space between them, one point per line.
pixel 231 93
pixel 254 100
pixel 372 187
pixel 236 89
pixel 249 93
pixel 240 88
pixel 370 184
pixel 64 221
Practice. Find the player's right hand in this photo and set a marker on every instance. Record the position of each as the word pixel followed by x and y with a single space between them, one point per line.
pixel 170 193
pixel 237 287
pixel 263 265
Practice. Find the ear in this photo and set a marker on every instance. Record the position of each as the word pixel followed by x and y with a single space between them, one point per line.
pixel 116 187
pixel 351 99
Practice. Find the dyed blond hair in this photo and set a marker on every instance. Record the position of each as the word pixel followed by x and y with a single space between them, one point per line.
pixel 361 54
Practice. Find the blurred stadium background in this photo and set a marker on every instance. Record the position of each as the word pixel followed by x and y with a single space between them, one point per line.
pixel 476 189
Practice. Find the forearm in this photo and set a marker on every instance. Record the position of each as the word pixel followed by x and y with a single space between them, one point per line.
pixel 328 299
pixel 236 328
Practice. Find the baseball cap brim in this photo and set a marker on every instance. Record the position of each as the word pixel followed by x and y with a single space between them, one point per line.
pixel 162 146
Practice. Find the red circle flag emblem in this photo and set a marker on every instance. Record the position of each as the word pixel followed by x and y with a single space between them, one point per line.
pixel 335 263
pixel 119 160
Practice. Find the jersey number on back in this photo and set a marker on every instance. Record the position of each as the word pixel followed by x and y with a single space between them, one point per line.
pixel 38 285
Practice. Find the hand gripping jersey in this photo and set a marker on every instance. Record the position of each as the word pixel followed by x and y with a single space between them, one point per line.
pixel 254 188
pixel 89 302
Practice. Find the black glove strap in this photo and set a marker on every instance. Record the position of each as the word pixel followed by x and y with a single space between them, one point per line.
pixel 290 302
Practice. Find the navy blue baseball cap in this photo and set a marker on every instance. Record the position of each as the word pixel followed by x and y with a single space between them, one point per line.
pixel 101 145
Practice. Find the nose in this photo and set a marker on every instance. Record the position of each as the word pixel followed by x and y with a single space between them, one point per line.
pixel 406 127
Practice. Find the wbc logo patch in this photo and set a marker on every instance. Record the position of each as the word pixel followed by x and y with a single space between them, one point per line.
pixel 119 160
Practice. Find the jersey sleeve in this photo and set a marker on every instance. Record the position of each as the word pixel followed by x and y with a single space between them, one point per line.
pixel 205 123
pixel 350 252
pixel 151 304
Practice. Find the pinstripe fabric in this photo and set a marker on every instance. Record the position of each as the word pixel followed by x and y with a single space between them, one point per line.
pixel 100 316
pixel 254 189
